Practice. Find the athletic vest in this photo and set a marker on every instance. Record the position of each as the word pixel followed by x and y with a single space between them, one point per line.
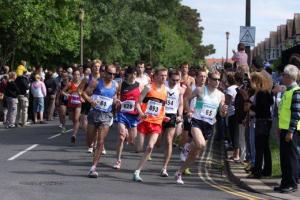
pixel 143 80
pixel 104 96
pixel 74 99
pixel 154 104
pixel 130 94
pixel 207 107
pixel 172 103
pixel 285 109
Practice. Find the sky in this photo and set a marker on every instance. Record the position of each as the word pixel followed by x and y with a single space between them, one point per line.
pixel 219 16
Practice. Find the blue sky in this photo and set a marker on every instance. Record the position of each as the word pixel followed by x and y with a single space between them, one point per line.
pixel 219 16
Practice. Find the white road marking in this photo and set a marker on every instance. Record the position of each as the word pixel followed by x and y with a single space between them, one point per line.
pixel 59 134
pixel 22 152
pixel 33 146
pixel 54 136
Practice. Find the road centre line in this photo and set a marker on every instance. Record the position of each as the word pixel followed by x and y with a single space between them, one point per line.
pixel 22 152
pixel 59 134
pixel 54 136
pixel 34 146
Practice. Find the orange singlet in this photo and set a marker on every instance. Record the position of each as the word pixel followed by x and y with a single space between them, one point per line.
pixel 154 105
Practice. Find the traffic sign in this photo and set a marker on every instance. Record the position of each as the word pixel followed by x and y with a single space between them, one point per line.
pixel 247 35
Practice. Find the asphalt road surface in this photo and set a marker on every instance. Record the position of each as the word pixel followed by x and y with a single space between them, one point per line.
pixel 38 162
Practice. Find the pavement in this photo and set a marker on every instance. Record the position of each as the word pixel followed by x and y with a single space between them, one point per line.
pixel 263 185
pixel 38 162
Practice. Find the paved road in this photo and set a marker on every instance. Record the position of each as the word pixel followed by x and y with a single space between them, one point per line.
pixel 54 169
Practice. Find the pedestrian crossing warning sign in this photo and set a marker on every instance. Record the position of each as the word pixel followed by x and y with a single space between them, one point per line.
pixel 247 35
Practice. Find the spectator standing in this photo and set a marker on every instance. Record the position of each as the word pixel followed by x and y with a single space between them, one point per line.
pixel 240 111
pixel 38 90
pixel 11 94
pixel 230 94
pixel 289 125
pixel 258 65
pixel 261 106
pixel 23 85
pixel 51 88
pixel 21 68
pixel 240 57
pixel 3 84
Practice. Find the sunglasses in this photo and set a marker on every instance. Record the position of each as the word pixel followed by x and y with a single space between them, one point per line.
pixel 215 79
pixel 111 74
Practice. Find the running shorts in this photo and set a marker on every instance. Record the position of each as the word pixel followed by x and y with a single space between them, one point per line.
pixel 130 121
pixel 98 118
pixel 149 128
pixel 171 123
pixel 206 128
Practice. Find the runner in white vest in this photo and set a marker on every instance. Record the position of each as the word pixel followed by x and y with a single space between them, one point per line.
pixel 174 109
pixel 210 100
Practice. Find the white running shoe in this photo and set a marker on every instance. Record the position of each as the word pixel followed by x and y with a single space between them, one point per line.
pixel 103 151
pixel 60 126
pixel 137 177
pixel 178 178
pixel 92 173
pixel 90 150
pixel 117 164
pixel 164 173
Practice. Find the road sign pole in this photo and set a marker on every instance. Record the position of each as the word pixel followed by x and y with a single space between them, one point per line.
pixel 248 23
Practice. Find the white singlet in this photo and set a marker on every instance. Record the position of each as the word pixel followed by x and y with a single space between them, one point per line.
pixel 207 106
pixel 172 102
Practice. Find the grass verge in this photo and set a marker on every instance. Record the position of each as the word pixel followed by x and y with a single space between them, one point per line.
pixel 274 145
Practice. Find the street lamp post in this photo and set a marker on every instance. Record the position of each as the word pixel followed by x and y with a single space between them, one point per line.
pixel 81 18
pixel 227 38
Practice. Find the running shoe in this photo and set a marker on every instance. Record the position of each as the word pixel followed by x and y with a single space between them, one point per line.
pixel 90 150
pixel 11 126
pixel 73 139
pixel 149 158
pixel 93 173
pixel 178 178
pixel 185 152
pixel 117 164
pixel 164 173
pixel 60 126
pixel 103 151
pixel 63 129
pixel 136 177
pixel 187 172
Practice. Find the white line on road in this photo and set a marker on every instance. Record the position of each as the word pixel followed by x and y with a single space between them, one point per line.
pixel 22 152
pixel 54 136
pixel 59 134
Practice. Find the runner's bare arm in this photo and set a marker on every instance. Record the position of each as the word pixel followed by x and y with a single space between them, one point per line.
pixel 81 86
pixel 89 91
pixel 64 90
pixel 187 93
pixel 180 108
pixel 196 93
pixel 192 81
pixel 223 107
pixel 142 96
pixel 117 97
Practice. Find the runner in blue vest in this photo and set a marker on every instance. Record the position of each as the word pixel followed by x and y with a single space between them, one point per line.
pixel 101 94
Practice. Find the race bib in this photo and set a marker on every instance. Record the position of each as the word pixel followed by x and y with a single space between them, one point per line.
pixel 75 99
pixel 127 106
pixel 153 108
pixel 208 112
pixel 171 105
pixel 102 103
pixel 205 111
